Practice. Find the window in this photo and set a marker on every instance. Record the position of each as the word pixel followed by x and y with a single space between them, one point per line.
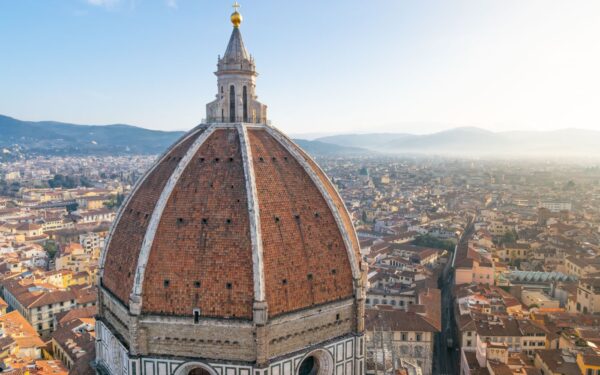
pixel 231 103
pixel 245 103
pixel 403 336
pixel 196 316
pixel 419 337
pixel 469 342
pixel 310 366
pixel 198 371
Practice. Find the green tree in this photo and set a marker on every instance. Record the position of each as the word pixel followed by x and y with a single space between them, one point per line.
pixel 72 207
pixel 69 182
pixel 9 189
pixel 427 240
pixel 115 201
pixel 51 248
pixel 570 185
pixel 510 236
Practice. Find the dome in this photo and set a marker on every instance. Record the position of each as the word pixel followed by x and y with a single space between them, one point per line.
pixel 234 254
pixel 229 215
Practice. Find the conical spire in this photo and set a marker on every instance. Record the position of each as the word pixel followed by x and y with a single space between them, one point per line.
pixel 236 51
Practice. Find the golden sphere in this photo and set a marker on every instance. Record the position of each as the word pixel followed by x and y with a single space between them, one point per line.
pixel 236 19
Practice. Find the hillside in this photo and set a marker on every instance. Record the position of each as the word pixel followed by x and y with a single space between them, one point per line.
pixel 56 138
pixel 318 148
pixel 26 138
pixel 479 142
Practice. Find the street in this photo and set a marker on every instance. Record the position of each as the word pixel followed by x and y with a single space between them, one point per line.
pixel 447 359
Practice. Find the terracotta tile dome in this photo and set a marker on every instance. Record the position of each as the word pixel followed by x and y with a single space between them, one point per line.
pixel 230 215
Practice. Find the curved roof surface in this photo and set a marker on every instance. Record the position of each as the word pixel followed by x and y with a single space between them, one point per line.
pixel 231 215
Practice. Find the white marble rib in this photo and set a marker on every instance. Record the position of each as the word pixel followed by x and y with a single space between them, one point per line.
pixel 253 211
pixel 156 216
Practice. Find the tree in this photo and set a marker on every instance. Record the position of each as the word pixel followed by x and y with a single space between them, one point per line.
pixel 115 201
pixel 51 249
pixel 427 240
pixel 72 207
pixel 510 236
pixel 570 185
pixel 69 182
pixel 9 189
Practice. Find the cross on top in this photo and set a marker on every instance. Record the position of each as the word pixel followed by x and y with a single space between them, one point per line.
pixel 236 6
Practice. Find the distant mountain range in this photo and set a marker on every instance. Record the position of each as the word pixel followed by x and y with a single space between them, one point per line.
pixel 26 138
pixel 478 142
pixel 57 138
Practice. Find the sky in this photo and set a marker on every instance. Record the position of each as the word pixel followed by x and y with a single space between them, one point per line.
pixel 325 66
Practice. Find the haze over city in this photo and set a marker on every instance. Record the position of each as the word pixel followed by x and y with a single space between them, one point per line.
pixel 356 66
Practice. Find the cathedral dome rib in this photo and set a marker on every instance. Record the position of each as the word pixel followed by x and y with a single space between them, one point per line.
pixel 229 215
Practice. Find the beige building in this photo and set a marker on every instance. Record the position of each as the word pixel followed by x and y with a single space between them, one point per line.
pixel 581 267
pixel 587 298
pixel 536 298
pixel 401 335
pixel 38 304
pixel 74 341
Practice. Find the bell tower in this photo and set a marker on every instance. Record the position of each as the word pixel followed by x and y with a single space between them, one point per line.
pixel 236 100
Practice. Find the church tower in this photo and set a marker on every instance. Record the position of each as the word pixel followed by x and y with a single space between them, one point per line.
pixel 233 255
pixel 236 99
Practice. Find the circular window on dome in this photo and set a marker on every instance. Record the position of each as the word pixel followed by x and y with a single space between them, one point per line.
pixel 310 366
pixel 198 371
pixel 318 362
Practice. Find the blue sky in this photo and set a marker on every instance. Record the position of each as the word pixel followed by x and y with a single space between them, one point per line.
pixel 325 66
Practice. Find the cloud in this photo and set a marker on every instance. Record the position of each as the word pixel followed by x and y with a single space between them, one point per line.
pixel 172 3
pixel 103 3
pixel 114 4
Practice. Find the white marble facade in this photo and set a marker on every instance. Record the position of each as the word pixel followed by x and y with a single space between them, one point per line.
pixel 344 356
